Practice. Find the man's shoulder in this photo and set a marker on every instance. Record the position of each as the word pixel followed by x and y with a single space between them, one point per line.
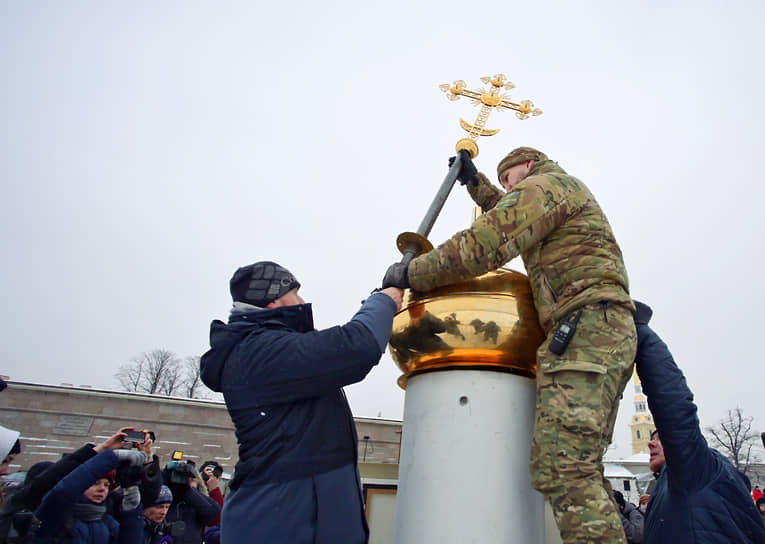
pixel 558 181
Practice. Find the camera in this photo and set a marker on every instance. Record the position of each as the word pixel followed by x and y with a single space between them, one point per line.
pixel 134 436
pixel 217 470
pixel 181 471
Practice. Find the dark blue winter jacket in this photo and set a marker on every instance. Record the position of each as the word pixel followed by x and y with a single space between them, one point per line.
pixel 700 497
pixel 282 382
pixel 57 510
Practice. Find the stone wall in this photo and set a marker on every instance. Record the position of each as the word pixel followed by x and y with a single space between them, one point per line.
pixel 58 419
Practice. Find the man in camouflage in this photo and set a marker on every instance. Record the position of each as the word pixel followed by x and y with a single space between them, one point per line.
pixel 575 268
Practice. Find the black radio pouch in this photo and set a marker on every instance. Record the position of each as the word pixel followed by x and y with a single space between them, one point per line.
pixel 564 333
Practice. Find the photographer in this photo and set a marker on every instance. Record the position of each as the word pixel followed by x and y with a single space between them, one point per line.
pixel 632 519
pixel 17 521
pixel 211 472
pixel 190 506
pixel 74 511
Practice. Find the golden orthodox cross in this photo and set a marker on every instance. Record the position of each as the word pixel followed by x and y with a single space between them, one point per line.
pixel 488 98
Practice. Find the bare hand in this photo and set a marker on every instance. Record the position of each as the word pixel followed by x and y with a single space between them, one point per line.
pixel 114 442
pixel 212 482
pixel 396 294
pixel 643 500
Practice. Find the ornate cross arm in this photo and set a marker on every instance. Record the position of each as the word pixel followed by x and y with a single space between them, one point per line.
pixel 490 98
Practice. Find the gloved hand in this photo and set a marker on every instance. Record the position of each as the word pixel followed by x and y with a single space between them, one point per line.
pixel 468 170
pixel 133 457
pixel 151 481
pixel 131 497
pixel 397 275
pixel 127 474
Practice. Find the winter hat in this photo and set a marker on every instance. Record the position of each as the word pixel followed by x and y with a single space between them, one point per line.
pixel 261 283
pixel 109 476
pixel 519 155
pixel 165 497
pixel 8 442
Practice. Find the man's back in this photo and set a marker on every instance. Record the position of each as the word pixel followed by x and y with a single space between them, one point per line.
pixel 552 220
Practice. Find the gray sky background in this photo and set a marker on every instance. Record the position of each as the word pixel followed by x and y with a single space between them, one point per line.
pixel 147 149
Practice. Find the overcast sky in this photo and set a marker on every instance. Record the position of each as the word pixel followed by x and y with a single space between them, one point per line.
pixel 148 149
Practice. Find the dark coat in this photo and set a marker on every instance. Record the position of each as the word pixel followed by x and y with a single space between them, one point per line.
pixel 195 510
pixel 633 522
pixel 17 521
pixel 56 512
pixel 699 496
pixel 282 381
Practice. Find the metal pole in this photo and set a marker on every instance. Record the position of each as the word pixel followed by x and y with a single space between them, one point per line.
pixel 435 208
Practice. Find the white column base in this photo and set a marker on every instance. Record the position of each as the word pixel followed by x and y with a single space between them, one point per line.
pixel 463 471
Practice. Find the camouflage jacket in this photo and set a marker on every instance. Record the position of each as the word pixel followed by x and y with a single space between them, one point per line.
pixel 552 220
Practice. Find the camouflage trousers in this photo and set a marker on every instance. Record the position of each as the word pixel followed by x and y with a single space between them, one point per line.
pixel 578 396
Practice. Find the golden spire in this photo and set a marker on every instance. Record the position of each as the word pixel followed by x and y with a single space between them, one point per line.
pixel 488 98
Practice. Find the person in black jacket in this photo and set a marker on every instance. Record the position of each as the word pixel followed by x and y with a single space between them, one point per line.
pixel 632 519
pixel 189 506
pixel 155 529
pixel 699 495
pixel 296 480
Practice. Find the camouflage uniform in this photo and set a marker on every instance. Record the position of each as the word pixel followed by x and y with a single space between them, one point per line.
pixel 574 263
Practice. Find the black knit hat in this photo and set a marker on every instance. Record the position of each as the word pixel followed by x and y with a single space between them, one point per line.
pixel 261 283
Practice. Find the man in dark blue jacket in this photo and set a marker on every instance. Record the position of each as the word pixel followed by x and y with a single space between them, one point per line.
pixel 699 495
pixel 296 480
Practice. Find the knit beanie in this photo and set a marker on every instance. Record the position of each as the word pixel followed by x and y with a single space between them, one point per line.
pixel 519 155
pixel 261 283
pixel 165 497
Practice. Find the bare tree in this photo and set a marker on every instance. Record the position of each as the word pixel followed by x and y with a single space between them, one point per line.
pixel 161 372
pixel 154 372
pixel 734 437
pixel 192 381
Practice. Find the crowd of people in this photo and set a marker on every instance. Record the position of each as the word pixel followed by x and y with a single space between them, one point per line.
pixel 297 480
pixel 113 492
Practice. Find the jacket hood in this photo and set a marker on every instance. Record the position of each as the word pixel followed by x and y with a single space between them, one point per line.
pixel 224 337
pixel 8 438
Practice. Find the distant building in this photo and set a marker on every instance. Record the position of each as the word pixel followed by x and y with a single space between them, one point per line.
pixel 642 420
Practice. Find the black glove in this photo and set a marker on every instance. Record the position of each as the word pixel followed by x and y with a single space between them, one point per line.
pixel 468 170
pixel 397 275
pixel 127 475
pixel 151 481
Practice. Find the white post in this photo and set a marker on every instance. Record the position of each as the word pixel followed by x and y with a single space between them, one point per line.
pixel 463 471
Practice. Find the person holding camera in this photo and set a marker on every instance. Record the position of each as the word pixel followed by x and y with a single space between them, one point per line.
pixel 211 471
pixel 74 510
pixel 632 519
pixel 296 479
pixel 17 520
pixel 190 506
pixel 699 495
